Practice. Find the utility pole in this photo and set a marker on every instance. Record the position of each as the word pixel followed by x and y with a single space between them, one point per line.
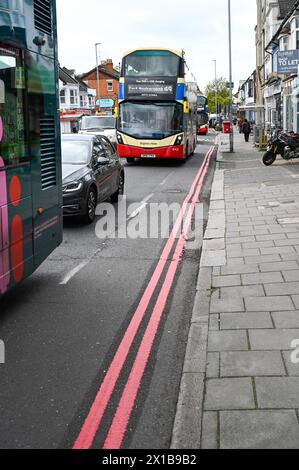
pixel 216 90
pixel 231 136
pixel 97 69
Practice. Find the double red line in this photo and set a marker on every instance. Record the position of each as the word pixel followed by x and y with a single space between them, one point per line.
pixel 122 415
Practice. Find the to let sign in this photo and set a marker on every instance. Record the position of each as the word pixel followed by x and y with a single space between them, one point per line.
pixel 288 61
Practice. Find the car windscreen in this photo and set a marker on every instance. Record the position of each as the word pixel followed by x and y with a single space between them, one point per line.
pixel 75 152
pixel 97 123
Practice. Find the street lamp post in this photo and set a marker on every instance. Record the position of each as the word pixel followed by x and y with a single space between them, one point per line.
pixel 231 137
pixel 97 69
pixel 216 95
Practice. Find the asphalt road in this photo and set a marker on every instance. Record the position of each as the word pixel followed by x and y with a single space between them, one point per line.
pixel 63 326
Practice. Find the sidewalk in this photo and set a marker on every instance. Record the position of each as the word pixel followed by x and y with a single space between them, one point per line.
pixel 240 388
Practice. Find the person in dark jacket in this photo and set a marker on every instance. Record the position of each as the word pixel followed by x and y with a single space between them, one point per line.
pixel 246 130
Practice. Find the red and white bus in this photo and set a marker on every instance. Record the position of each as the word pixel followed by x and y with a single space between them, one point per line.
pixel 157 115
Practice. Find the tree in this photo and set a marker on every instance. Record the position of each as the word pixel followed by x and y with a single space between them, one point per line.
pixel 217 87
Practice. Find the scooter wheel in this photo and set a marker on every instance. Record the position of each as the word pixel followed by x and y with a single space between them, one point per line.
pixel 269 158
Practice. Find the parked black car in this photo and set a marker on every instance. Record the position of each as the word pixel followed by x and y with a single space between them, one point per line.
pixel 91 173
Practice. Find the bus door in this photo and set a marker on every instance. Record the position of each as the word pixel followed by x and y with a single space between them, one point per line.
pixel 16 229
pixel 45 152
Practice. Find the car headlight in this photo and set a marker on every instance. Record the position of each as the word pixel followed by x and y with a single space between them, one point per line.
pixel 72 187
pixel 179 140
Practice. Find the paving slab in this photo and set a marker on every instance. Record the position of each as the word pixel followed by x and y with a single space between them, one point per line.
pixel 259 429
pixel 251 364
pixel 246 321
pixel 227 341
pixel 229 394
pixel 272 339
pixel 277 392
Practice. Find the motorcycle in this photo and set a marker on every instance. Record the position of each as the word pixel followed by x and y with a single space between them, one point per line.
pixel 284 144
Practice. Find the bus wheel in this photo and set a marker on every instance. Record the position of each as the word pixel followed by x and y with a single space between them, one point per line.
pixel 185 157
pixel 91 205
pixel 130 160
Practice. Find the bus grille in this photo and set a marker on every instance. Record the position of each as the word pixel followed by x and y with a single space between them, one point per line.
pixel 42 16
pixel 48 153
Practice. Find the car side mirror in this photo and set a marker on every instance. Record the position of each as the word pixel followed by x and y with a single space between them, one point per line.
pixel 102 160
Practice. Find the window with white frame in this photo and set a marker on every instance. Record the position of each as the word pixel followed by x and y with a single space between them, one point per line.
pixel 73 96
pixel 284 43
pixel 109 85
pixel 62 96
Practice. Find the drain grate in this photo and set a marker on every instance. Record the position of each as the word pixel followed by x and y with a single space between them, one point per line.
pixel 173 191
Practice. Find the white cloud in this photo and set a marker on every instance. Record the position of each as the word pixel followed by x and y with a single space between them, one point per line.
pixel 197 26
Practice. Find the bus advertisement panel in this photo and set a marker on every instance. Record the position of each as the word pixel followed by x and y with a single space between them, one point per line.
pixel 30 162
pixel 157 107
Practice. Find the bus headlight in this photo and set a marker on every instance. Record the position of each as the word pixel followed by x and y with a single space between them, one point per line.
pixel 119 138
pixel 179 140
pixel 72 187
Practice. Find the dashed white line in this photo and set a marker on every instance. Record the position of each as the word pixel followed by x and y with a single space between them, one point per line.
pixel 141 207
pixel 165 179
pixel 82 265
pixel 73 272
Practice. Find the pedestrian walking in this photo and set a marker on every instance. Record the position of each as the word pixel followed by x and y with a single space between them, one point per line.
pixel 240 125
pixel 246 129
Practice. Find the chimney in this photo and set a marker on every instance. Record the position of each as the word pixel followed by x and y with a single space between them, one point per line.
pixel 109 65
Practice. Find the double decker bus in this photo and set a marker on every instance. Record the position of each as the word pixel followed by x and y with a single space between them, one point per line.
pixel 157 106
pixel 30 160
pixel 202 115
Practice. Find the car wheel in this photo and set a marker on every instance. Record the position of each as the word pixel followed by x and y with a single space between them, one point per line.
pixel 91 205
pixel 130 160
pixel 120 189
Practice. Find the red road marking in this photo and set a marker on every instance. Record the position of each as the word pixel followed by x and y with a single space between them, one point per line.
pixel 121 418
pixel 98 408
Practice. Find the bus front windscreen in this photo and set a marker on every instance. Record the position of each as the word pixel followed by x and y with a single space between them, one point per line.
pixel 151 64
pixel 151 120
pixel 203 118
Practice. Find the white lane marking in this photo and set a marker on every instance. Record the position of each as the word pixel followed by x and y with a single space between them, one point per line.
pixel 78 268
pixel 165 179
pixel 73 272
pixel 141 207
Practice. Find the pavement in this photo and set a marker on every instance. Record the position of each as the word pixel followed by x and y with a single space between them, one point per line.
pixel 240 383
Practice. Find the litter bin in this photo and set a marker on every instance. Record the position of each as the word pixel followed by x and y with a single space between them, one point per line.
pixel 226 127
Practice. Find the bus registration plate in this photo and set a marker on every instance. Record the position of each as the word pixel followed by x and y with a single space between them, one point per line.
pixel 148 155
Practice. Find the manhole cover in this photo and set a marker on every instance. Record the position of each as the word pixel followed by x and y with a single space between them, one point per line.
pixel 288 220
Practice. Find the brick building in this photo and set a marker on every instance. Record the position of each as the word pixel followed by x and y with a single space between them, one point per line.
pixel 109 80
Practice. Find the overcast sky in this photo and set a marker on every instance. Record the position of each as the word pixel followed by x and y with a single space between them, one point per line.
pixel 197 26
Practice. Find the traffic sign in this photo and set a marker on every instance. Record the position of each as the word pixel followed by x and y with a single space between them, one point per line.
pixel 105 103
